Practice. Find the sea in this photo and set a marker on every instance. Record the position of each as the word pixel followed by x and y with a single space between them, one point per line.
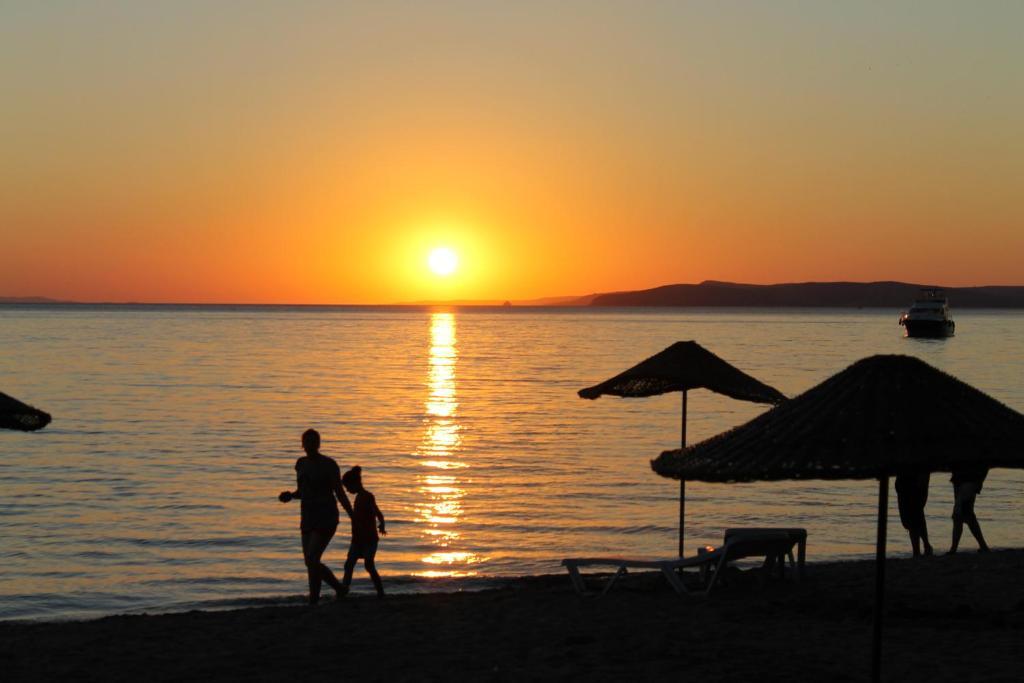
pixel 175 427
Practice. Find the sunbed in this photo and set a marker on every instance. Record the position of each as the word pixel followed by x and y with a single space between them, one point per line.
pixel 772 544
pixel 797 535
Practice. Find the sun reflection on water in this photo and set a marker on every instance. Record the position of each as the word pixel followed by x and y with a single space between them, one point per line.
pixel 440 486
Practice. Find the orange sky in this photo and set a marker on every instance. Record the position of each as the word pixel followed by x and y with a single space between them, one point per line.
pixel 311 154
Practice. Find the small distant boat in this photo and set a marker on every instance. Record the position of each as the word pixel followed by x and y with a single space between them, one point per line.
pixel 929 317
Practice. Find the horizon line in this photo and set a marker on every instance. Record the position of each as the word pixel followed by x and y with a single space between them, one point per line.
pixel 45 300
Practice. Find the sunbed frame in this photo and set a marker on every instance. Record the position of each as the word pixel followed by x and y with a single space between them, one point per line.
pixel 772 544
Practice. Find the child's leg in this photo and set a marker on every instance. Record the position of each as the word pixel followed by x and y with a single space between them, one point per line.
pixel 958 531
pixel 371 567
pixel 350 564
pixel 972 523
pixel 975 528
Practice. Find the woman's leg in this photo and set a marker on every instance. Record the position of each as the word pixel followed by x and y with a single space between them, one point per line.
pixel 919 533
pixel 314 544
pixel 329 578
pixel 925 485
pixel 311 575
pixel 923 531
pixel 958 520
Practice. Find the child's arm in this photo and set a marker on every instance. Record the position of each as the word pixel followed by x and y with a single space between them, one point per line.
pixel 339 491
pixel 380 516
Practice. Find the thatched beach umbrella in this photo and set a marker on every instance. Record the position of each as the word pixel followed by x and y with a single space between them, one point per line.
pixel 16 415
pixel 681 367
pixel 881 416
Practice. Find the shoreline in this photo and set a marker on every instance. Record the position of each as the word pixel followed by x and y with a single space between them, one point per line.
pixel 947 618
pixel 401 585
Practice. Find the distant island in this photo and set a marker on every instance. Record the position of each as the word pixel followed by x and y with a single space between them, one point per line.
pixel 713 293
pixel 811 294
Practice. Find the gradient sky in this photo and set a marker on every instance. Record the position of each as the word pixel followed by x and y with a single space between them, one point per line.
pixel 315 152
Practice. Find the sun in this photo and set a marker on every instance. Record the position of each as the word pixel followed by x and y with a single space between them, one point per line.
pixel 443 261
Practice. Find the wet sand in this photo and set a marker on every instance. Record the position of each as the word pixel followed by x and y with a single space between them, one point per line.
pixel 947 618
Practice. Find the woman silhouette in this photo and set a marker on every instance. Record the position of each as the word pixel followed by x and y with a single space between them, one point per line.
pixel 319 484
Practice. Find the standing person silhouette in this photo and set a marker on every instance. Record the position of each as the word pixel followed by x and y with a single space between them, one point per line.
pixel 966 487
pixel 912 494
pixel 319 483
pixel 364 531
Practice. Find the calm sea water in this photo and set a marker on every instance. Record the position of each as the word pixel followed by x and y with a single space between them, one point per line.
pixel 175 428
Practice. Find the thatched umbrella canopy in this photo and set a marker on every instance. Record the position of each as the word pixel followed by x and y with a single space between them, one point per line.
pixel 16 415
pixel 881 416
pixel 681 367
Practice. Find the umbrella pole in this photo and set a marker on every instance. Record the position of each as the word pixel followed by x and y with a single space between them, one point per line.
pixel 682 485
pixel 883 511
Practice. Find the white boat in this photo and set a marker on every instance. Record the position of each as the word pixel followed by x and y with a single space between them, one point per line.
pixel 929 316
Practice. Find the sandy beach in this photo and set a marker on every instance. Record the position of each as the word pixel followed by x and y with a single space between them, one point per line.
pixel 947 618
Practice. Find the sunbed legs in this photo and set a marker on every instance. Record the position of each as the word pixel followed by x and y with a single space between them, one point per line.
pixel 581 586
pixel 611 581
pixel 577 580
pixel 675 580
pixel 772 562
pixel 719 566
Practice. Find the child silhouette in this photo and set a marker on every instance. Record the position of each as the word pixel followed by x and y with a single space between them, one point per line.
pixel 364 532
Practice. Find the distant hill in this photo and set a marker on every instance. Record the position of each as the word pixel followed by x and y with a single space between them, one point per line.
pixel 811 294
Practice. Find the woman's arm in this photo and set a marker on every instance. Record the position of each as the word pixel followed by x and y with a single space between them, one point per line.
pixel 292 495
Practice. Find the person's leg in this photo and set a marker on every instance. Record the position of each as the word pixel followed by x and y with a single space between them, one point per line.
pixel 312 569
pixel 976 530
pixel 325 573
pixel 958 531
pixel 905 512
pixel 924 482
pixel 972 523
pixel 915 542
pixel 370 563
pixel 923 532
pixel 315 545
pixel 350 564
pixel 330 579
pixel 958 519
